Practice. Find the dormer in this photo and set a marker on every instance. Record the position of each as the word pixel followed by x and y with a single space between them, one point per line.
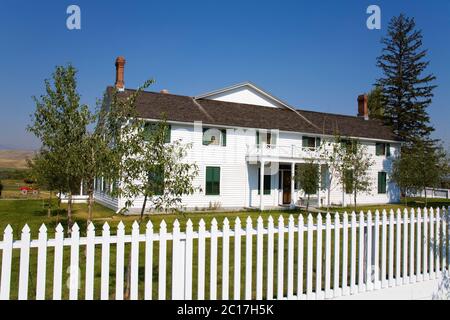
pixel 246 93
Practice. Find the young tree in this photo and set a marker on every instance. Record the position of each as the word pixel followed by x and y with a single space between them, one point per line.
pixel 406 91
pixel 308 178
pixel 60 122
pixel 355 168
pixel 332 154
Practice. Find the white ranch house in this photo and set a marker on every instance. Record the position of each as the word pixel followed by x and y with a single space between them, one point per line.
pixel 242 135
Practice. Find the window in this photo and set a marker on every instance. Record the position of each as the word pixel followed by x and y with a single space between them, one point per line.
pixel 214 137
pixel 265 137
pixel 380 149
pixel 381 182
pixel 212 181
pixel 150 128
pixel 267 183
pixel 348 181
pixel 156 180
pixel 388 150
pixel 324 176
pixel 310 142
pixel 350 145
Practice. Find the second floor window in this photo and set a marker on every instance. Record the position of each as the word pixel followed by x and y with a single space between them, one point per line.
pixel 214 137
pixel 310 142
pixel 383 149
pixel 265 137
pixel 150 128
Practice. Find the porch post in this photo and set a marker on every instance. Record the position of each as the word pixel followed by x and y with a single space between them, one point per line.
pixel 292 184
pixel 261 186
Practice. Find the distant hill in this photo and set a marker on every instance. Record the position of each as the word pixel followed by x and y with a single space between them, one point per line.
pixel 15 159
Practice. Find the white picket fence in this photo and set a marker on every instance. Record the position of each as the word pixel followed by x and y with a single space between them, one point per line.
pixel 294 259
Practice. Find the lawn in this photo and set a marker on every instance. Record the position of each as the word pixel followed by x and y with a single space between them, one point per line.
pixel 18 212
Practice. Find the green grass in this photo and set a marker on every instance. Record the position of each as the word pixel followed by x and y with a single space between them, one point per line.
pixel 17 213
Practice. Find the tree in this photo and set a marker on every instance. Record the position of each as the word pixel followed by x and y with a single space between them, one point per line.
pixel 404 174
pixel 60 122
pixel 354 169
pixel 375 103
pixel 308 178
pixel 406 91
pixel 332 155
pixel 44 171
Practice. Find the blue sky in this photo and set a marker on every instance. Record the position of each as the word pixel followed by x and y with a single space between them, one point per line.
pixel 314 55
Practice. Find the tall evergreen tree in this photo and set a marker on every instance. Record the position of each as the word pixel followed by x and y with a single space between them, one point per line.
pixel 407 92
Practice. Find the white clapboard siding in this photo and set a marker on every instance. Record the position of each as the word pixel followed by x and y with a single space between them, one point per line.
pixel 360 253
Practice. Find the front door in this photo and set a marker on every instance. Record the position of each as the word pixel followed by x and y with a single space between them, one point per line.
pixel 286 187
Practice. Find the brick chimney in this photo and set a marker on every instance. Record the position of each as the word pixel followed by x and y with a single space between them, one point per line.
pixel 120 64
pixel 363 109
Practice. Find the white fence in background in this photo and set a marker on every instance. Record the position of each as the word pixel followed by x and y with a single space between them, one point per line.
pixel 346 255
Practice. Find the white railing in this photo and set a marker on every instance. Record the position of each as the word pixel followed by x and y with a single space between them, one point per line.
pixel 277 151
pixel 348 254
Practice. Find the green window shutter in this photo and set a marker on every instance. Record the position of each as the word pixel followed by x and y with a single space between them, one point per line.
pixel 224 137
pixel 212 181
pixel 168 134
pixel 318 142
pixel 267 184
pixel 257 137
pixel 381 182
pixel 348 181
pixel 388 150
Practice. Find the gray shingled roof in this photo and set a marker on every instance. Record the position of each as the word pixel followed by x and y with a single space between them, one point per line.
pixel 152 105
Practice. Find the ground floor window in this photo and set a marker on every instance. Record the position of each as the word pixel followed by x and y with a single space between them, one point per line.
pixel 212 185
pixel 348 181
pixel 267 184
pixel 382 182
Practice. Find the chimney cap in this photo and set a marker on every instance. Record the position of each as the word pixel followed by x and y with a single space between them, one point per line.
pixel 165 91
pixel 120 59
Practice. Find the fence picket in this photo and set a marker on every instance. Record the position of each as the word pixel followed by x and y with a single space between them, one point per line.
pixel 353 287
pixel 437 241
pixel 213 261
pixel 270 254
pixel 148 277
pixel 376 248
pixel 319 257
pixel 178 260
pixel 90 253
pixel 104 278
pixel 134 266
pixel 24 263
pixel 337 243
pixel 163 260
pixel 259 258
pixel 309 257
pixel 361 284
pixel 368 250
pixel 419 275
pixel 411 246
pixel 444 242
pixel 345 289
pixel 225 259
pixel 301 230
pixel 398 279
pixel 405 247
pixel 42 261
pixel 74 271
pixel 5 280
pixel 189 259
pixel 120 256
pixel 237 259
pixel 426 239
pixel 384 282
pixel 328 256
pixel 280 258
pixel 248 259
pixel 432 244
pixel 391 248
pixel 290 266
pixel 447 218
pixel 58 262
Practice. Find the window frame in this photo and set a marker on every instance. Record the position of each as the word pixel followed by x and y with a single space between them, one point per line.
pixel 152 125
pixel 382 184
pixel 223 137
pixel 381 152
